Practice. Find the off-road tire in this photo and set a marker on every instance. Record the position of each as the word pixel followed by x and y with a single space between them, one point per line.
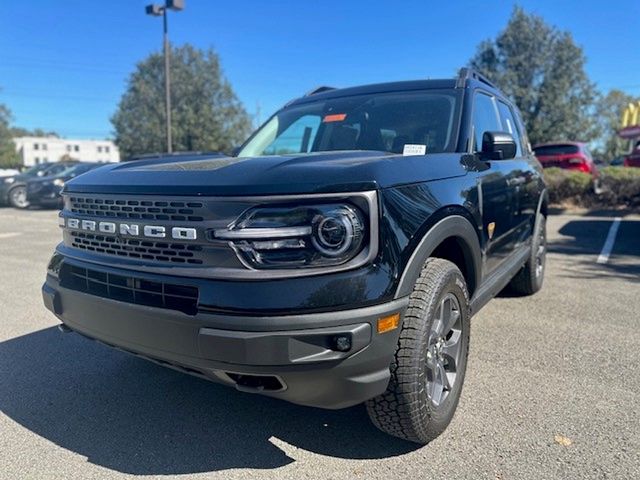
pixel 530 277
pixel 405 410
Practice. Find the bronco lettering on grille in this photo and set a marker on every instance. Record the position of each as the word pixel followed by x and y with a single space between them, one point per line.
pixel 130 229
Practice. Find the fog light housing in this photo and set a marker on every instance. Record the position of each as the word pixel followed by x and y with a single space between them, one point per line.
pixel 342 343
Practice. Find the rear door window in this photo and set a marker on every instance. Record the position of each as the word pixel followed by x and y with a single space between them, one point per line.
pixel 485 118
pixel 509 125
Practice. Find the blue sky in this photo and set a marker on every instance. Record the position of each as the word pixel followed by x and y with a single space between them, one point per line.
pixel 64 65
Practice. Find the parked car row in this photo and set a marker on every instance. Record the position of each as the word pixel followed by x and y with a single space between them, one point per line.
pixel 569 156
pixel 576 156
pixel 40 185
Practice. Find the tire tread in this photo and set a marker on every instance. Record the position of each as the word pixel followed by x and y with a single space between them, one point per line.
pixel 404 410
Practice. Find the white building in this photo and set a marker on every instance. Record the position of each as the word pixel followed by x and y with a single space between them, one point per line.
pixel 35 150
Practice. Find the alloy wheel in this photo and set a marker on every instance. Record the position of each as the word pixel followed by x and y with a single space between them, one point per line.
pixel 19 197
pixel 542 249
pixel 444 349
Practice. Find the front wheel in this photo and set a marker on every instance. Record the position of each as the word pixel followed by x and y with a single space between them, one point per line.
pixel 429 365
pixel 18 197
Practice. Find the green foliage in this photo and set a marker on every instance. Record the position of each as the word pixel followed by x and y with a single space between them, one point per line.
pixel 566 185
pixel 36 132
pixel 619 187
pixel 542 70
pixel 8 156
pixel 206 114
pixel 609 114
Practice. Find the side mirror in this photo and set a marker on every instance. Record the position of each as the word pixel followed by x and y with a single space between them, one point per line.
pixel 498 146
pixel 235 151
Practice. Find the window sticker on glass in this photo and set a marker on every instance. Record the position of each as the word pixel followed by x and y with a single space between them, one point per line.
pixel 411 149
pixel 336 117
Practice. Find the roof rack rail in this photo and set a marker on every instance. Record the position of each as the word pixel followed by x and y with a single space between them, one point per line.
pixel 467 73
pixel 316 90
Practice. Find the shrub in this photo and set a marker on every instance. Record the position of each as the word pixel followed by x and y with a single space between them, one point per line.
pixel 620 186
pixel 567 185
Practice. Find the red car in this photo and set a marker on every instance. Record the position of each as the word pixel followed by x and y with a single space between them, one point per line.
pixel 633 159
pixel 568 155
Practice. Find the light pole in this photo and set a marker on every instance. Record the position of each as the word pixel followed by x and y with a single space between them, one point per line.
pixel 156 11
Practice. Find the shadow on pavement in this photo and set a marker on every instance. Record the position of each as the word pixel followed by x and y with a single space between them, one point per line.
pixel 594 212
pixel 587 237
pixel 129 415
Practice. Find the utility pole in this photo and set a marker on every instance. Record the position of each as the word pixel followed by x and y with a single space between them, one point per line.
pixel 156 11
pixel 258 114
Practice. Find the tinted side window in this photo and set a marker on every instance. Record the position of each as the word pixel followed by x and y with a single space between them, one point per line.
pixel 57 169
pixel 523 133
pixel 485 118
pixel 510 125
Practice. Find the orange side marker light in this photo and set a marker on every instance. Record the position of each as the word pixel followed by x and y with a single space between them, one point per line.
pixel 388 323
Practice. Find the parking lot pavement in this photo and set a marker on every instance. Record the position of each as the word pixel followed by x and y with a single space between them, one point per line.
pixel 552 389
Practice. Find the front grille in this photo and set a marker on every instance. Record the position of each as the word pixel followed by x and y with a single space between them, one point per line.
pixel 178 211
pixel 110 246
pixel 139 249
pixel 130 289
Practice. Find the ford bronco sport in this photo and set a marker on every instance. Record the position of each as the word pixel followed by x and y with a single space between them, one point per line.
pixel 337 259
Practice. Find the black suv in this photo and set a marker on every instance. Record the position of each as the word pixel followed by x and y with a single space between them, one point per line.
pixel 45 191
pixel 336 260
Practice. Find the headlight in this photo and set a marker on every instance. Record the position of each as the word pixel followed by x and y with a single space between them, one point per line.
pixel 9 180
pixel 58 182
pixel 297 237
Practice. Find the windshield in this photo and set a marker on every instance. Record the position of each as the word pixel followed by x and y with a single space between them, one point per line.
pixel 76 170
pixel 380 122
pixel 36 168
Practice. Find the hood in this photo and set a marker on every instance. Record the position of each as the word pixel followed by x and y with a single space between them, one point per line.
pixel 279 174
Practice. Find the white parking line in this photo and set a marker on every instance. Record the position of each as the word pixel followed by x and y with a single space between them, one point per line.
pixel 9 235
pixel 608 243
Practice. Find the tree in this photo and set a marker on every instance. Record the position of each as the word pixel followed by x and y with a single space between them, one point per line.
pixel 37 132
pixel 542 70
pixel 67 158
pixel 8 156
pixel 206 114
pixel 609 113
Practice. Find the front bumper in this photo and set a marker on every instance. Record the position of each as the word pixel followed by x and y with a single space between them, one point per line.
pixel 292 357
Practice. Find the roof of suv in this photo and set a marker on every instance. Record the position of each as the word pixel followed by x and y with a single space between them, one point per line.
pixel 403 86
pixel 467 77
